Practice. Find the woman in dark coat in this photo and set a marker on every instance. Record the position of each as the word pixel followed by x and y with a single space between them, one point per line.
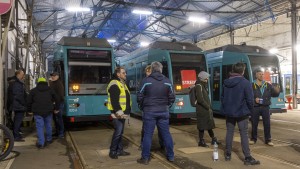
pixel 204 111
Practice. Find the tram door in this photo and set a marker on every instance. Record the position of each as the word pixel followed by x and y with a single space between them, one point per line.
pixel 216 85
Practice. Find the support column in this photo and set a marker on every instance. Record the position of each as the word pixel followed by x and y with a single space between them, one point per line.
pixel 294 52
pixel 231 34
pixel 2 52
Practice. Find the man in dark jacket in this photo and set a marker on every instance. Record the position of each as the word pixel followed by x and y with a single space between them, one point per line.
pixel 40 102
pixel 58 88
pixel 18 104
pixel 119 103
pixel 237 104
pixel 155 96
pixel 205 119
pixel 263 91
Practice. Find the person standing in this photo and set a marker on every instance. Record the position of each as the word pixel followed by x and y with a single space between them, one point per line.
pixel 205 120
pixel 263 91
pixel 148 71
pixel 40 102
pixel 58 88
pixel 119 103
pixel 18 103
pixel 155 96
pixel 236 105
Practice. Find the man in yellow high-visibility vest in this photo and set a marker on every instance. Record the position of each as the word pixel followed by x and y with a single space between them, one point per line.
pixel 119 103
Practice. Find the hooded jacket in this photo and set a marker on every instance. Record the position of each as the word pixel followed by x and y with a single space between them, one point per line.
pixel 237 97
pixel 41 98
pixel 155 93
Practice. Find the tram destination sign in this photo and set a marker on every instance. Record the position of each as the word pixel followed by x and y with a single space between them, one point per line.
pixel 5 5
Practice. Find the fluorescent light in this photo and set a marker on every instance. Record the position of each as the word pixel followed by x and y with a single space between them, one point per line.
pixel 197 19
pixel 143 44
pixel 273 50
pixel 78 9
pixel 111 40
pixel 142 12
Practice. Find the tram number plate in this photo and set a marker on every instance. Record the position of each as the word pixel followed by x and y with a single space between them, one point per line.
pixel 72 110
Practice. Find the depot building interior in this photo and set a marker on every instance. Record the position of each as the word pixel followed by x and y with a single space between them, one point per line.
pixel 31 29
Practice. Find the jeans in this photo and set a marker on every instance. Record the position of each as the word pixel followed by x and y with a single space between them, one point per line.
pixel 243 128
pixel 161 119
pixel 59 123
pixel 40 123
pixel 19 116
pixel 265 113
pixel 116 145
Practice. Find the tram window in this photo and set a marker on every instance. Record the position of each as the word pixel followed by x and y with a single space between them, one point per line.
pixel 216 84
pixel 227 69
pixel 165 68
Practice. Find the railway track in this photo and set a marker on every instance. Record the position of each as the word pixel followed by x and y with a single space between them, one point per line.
pixel 253 150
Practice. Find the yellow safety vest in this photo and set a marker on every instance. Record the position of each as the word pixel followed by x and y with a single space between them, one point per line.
pixel 122 97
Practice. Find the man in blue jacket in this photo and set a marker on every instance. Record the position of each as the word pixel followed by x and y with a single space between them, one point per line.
pixel 155 96
pixel 263 91
pixel 237 104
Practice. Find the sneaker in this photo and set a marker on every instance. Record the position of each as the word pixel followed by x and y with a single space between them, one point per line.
pixel 123 153
pixel 227 157
pixel 270 143
pixel 251 142
pixel 251 161
pixel 143 161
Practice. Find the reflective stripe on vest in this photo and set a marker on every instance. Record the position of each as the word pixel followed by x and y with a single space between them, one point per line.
pixel 122 98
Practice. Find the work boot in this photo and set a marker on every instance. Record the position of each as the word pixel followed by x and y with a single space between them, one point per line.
pixel 143 161
pixel 123 153
pixel 202 143
pixel 251 161
pixel 113 155
pixel 215 140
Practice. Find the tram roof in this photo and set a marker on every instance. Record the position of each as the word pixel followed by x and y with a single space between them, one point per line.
pixel 88 42
pixel 240 48
pixel 185 46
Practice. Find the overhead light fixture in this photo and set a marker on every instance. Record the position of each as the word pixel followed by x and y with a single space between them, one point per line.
pixel 111 40
pixel 78 9
pixel 144 44
pixel 273 50
pixel 142 12
pixel 197 19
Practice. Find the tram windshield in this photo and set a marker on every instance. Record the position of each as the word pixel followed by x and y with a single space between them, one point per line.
pixel 89 71
pixel 185 67
pixel 269 65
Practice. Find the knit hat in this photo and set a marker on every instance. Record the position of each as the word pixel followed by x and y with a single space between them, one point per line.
pixel 203 75
pixel 41 79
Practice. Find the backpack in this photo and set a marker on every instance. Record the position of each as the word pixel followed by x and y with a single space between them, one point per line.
pixel 192 95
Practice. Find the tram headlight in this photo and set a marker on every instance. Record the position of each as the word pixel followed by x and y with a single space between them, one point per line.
pixel 180 103
pixel 178 87
pixel 75 88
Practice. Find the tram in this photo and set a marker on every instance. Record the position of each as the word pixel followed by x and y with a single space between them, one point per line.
pixel 220 61
pixel 85 66
pixel 181 63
